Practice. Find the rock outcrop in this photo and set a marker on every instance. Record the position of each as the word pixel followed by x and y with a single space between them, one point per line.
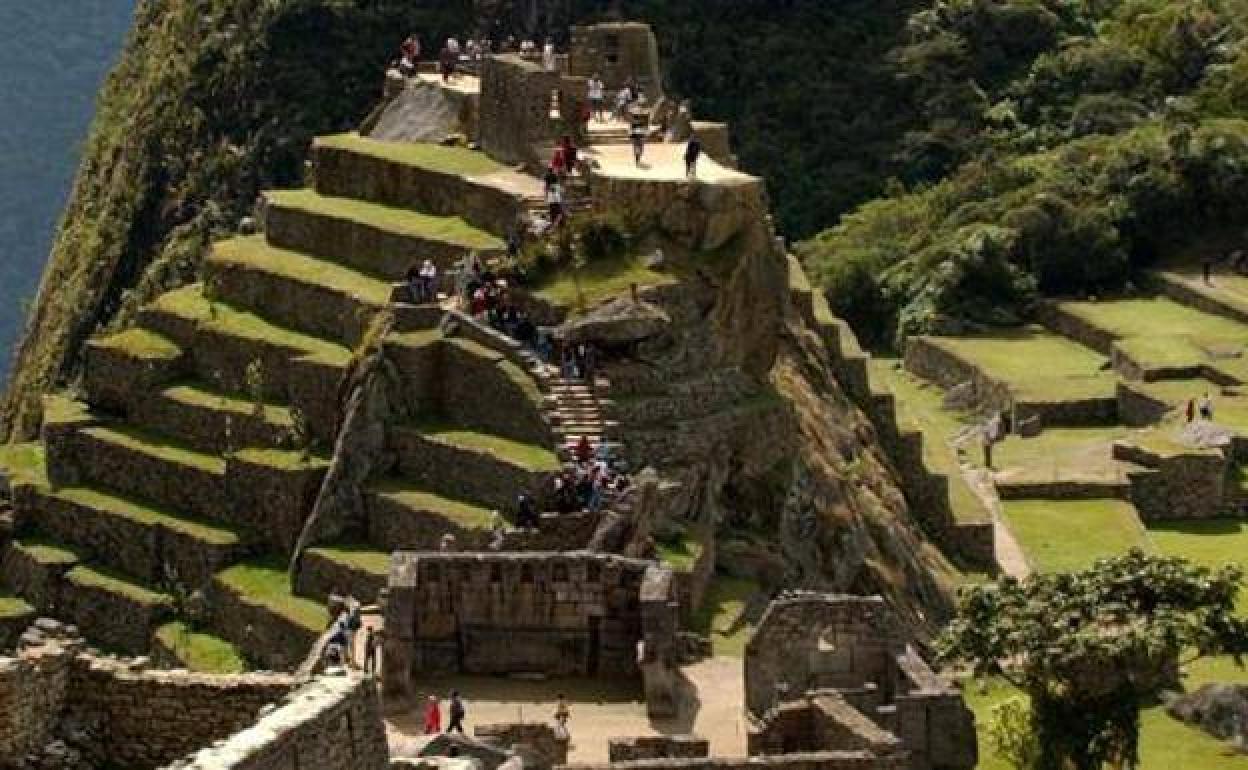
pixel 1219 709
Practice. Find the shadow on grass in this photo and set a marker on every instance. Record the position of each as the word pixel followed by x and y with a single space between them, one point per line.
pixel 1210 527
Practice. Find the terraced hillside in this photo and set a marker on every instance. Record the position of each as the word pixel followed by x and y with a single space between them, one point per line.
pixel 160 509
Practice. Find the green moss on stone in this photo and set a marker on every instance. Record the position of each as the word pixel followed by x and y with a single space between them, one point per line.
pixel 681 553
pixel 12 607
pixel 24 462
pixel 46 552
pixel 598 281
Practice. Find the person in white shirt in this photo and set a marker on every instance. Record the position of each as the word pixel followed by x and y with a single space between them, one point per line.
pixel 549 60
pixel 453 45
pixel 429 280
pixel 597 95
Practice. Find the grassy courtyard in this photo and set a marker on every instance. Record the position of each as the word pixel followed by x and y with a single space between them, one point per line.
pixel 1036 364
pixel 1067 535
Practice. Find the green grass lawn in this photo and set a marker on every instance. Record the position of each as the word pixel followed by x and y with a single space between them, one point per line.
pixel 1067 535
pixel 434 157
pixel 114 582
pixel 361 557
pixel 598 281
pixel 266 583
pixel 725 598
pixel 13 607
pixel 529 456
pixel 140 343
pixel 1068 452
pixel 464 514
pixel 201 652
pixel 24 462
pixel 1036 364
pixel 254 251
pixel 1156 317
pixel 158 446
pixel 452 230
pixel 919 405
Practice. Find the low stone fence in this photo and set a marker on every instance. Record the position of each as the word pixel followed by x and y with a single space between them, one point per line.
pixel 1137 408
pixel 657 747
pixel 539 743
pixel 331 723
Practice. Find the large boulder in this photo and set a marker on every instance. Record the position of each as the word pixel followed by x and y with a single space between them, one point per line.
pixel 421 112
pixel 618 322
pixel 1219 709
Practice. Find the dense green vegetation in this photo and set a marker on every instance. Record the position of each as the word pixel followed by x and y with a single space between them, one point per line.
pixel 1064 143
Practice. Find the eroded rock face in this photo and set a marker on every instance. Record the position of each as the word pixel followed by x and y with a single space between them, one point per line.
pixel 618 322
pixel 1219 709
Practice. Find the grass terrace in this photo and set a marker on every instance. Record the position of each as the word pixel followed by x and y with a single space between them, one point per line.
pixel 1036 364
pixel 256 253
pixel 204 653
pixel 720 616
pixel 528 456
pixel 113 582
pixel 396 220
pixel 680 553
pixel 598 281
pixel 144 513
pixel 1076 453
pixel 140 343
pixel 13 607
pixel 466 515
pixel 24 462
pixel 155 445
pixel 434 157
pixel 919 405
pixel 1228 287
pixel 1155 317
pixel 1067 535
pixel 46 552
pixel 362 557
pixel 282 459
pixel 266 583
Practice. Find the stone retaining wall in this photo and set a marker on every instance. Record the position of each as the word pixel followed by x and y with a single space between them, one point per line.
pixel 332 723
pixel 1180 486
pixel 1178 290
pixel 820 760
pixel 1137 408
pixel 541 739
pixel 320 576
pixel 347 174
pixel 116 620
pixel 459 473
pixel 36 582
pixel 272 502
pixel 1064 489
pixel 33 691
pixel 1073 327
pixel 276 642
pixel 204 426
pixel 657 747
pixel 113 378
pixel 482 390
pixel 702 217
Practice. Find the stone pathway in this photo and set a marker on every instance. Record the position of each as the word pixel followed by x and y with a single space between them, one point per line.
pixel 662 162
pixel 1006 550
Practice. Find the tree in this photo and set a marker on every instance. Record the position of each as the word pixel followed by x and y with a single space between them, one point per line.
pixel 1091 647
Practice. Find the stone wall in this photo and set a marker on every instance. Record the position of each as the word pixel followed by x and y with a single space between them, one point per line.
pixel 562 614
pixel 462 473
pixel 540 744
pixel 821 721
pixel 332 723
pixel 1137 408
pixel 516 97
pixel 33 690
pixel 320 576
pixel 279 643
pixel 1184 485
pixel 343 173
pixel 657 747
pixel 820 760
pixel 112 377
pixel 701 217
pixel 617 52
pixel 483 390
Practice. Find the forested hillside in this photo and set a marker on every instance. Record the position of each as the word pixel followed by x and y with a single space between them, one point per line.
pixel 1062 144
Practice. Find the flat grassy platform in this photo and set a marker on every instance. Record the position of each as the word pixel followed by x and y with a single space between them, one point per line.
pixel 1154 317
pixel 528 456
pixel 147 514
pixel 24 462
pixel 46 552
pixel 1036 364
pixel 1067 535
pixel 156 446
pixel 434 157
pixel 116 583
pixel 1229 410
pixel 199 651
pixel 466 515
pixel 190 304
pixel 598 281
pixel 140 343
pixel 254 252
pixel 725 598
pixel 362 557
pixel 919 406
pixel 13 607
pixel 453 230
pixel 1068 453
pixel 266 583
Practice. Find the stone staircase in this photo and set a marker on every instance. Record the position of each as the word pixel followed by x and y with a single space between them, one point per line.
pixel 178 484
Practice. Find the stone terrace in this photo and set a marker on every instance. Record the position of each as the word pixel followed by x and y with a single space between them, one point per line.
pixel 202 440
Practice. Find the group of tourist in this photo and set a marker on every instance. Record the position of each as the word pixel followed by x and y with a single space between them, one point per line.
pixel 1202 406
pixel 453 54
pixel 433 714
pixel 591 481
pixel 341 647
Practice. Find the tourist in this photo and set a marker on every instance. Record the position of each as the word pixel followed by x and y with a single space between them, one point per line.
pixel 1206 269
pixel 1206 407
pixel 447 543
pixel 447 60
pixel 693 151
pixel 562 712
pixel 515 243
pixel 558 163
pixel 415 287
pixel 623 100
pixel 452 45
pixel 597 97
pixel 554 203
pixel 551 177
pixel 526 512
pixel 429 280
pixel 584 451
pixel 370 652
pixel 550 60
pixel 354 622
pixel 571 156
pixel 1190 412
pixel 457 714
pixel 597 488
pixel 433 716
pixel 637 135
pixel 336 647
pixel 568 368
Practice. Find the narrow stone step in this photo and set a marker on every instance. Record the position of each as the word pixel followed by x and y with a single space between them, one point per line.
pixel 315 296
pixel 135 538
pixel 148 466
pixel 213 421
pixel 379 240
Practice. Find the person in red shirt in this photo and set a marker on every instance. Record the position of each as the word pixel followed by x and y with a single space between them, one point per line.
pixel 583 450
